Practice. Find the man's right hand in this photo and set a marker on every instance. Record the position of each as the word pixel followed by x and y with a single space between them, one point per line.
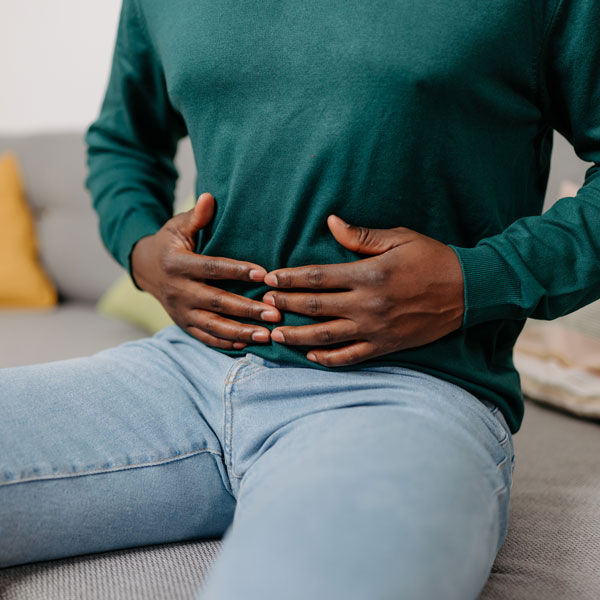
pixel 166 265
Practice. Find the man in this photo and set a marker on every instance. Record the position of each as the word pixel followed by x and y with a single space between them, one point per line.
pixel 338 394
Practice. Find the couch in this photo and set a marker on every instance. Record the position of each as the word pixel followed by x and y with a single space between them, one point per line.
pixel 553 546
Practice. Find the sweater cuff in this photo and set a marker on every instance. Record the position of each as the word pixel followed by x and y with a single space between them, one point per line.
pixel 491 286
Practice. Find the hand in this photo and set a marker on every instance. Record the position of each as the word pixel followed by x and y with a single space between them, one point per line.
pixel 166 265
pixel 409 294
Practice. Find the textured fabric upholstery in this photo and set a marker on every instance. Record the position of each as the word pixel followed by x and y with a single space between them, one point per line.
pixel 71 330
pixel 166 572
pixel 553 547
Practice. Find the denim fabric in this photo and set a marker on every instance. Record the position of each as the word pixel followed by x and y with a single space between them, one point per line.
pixel 375 483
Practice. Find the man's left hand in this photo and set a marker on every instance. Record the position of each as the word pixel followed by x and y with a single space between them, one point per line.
pixel 407 294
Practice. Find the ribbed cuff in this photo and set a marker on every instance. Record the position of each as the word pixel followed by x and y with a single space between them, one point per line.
pixel 492 288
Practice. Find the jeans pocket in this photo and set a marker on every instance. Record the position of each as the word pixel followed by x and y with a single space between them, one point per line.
pixel 504 438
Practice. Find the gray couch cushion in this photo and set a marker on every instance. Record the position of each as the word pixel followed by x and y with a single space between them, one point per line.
pixel 54 169
pixel 553 547
pixel 165 572
pixel 70 330
pixel 551 552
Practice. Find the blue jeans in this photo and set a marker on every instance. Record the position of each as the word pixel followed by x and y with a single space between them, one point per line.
pixel 374 483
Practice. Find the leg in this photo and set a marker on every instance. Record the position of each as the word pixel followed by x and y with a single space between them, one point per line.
pixel 112 451
pixel 390 494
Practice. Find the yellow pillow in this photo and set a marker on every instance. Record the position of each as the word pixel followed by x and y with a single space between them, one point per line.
pixel 23 282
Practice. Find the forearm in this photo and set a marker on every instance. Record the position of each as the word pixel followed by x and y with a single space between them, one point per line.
pixel 541 266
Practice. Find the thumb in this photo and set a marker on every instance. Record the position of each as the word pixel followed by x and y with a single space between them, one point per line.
pixel 366 240
pixel 198 217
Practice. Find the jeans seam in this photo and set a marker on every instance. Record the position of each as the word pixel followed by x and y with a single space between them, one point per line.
pixel 504 440
pixel 237 379
pixel 232 373
pixel 153 463
pixel 234 376
pixel 501 490
pixel 230 381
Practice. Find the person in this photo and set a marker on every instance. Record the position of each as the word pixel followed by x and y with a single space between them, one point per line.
pixel 337 395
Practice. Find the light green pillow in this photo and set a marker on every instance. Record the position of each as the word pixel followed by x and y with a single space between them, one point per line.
pixel 124 301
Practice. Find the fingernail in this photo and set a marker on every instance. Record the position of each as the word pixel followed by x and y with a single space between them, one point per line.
pixel 257 274
pixel 269 299
pixel 278 336
pixel 311 356
pixel 271 279
pixel 260 336
pixel 341 221
pixel 269 315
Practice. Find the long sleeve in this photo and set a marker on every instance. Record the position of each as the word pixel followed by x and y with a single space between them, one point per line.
pixel 548 265
pixel 132 143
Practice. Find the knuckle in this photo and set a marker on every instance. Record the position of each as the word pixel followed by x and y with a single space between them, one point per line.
pixel 364 236
pixel 284 278
pixel 314 305
pixel 216 302
pixel 210 267
pixel 379 305
pixel 209 326
pixel 241 335
pixel 251 311
pixel 375 276
pixel 325 335
pixel 315 277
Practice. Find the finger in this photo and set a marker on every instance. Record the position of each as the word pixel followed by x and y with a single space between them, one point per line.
pixel 190 222
pixel 337 304
pixel 227 329
pixel 336 276
pixel 211 340
pixel 330 332
pixel 367 240
pixel 220 301
pixel 348 355
pixel 198 266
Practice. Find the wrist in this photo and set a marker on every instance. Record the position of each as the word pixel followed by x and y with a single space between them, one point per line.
pixel 139 258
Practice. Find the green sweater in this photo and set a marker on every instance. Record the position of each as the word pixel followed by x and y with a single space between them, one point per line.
pixel 436 116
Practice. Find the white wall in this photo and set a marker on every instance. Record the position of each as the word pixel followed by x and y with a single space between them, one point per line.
pixel 54 62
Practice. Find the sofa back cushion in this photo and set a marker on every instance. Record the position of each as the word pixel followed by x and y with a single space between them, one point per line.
pixel 54 171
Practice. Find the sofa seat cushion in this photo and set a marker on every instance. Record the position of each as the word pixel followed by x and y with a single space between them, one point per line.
pixel 70 330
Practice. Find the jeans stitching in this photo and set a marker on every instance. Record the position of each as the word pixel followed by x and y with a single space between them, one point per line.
pixel 494 411
pixel 235 375
pixel 501 490
pixel 231 374
pixel 258 369
pixel 113 469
